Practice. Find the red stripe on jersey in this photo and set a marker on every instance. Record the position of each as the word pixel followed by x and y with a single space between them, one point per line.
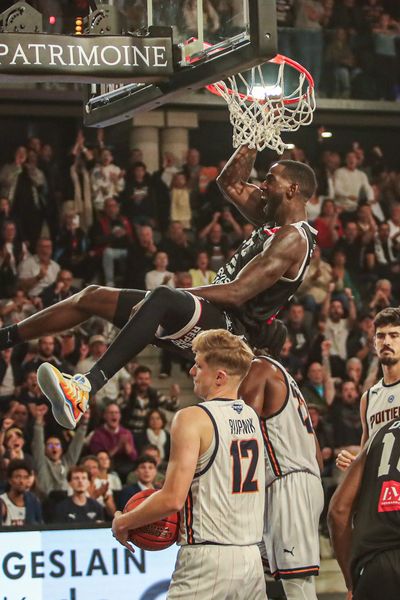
pixel 270 451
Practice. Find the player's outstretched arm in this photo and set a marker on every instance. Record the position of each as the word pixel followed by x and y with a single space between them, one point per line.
pixel 233 183
pixel 185 445
pixel 260 273
pixel 340 513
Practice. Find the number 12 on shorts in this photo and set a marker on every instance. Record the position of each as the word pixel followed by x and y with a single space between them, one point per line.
pixel 244 450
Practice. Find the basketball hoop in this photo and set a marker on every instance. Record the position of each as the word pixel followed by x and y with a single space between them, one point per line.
pixel 260 111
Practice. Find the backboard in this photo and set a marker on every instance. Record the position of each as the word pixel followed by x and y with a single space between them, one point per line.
pixel 211 40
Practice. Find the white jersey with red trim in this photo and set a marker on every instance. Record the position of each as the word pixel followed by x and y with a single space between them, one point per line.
pixel 288 434
pixel 383 405
pixel 225 504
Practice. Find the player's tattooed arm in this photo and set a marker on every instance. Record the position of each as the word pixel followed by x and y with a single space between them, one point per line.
pixel 233 183
pixel 340 513
pixel 282 258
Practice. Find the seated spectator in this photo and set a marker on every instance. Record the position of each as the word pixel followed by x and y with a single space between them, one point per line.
pixel 155 434
pixel 394 221
pixel 12 444
pixel 111 390
pixel 354 372
pixel 160 275
pixel 312 292
pixel 318 389
pixel 114 439
pixel 330 161
pixel 291 362
pixel 342 279
pixel 112 235
pixel 361 340
pixel 382 297
pixel 215 243
pixel 12 252
pixel 324 436
pixel 46 352
pixel 10 378
pixel 139 204
pixel 181 253
pixel 61 289
pixel 351 244
pixel 72 247
pixel 337 328
pixel 39 271
pixel 202 275
pixel 154 452
pixel 344 415
pixel 351 185
pixel 366 224
pixel 383 255
pixel 99 489
pixel 328 226
pixel 146 471
pixel 17 308
pixel 299 331
pixel 107 474
pixel 143 398
pixel 140 258
pixel 79 508
pixel 18 416
pixel 31 394
pixel 180 209
pixel 107 180
pixel 51 463
pixel 18 506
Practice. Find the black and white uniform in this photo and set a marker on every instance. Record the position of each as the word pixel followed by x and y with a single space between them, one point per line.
pixel 383 405
pixel 222 521
pixel 294 496
pixel 375 552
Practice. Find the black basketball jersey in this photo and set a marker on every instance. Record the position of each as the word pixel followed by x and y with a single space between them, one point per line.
pixel 266 305
pixel 377 517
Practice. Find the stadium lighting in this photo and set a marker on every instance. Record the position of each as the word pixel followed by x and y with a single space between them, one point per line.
pixel 52 20
pixel 326 134
pixel 289 146
pixel 261 92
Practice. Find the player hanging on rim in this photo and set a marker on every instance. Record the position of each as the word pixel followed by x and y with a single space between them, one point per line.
pixel 292 470
pixel 216 445
pixel 381 403
pixel 245 297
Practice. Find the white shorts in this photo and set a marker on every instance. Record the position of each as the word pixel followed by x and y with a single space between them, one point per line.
pixel 216 572
pixel 293 505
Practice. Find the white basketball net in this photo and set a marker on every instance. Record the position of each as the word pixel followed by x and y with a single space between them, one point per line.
pixel 260 112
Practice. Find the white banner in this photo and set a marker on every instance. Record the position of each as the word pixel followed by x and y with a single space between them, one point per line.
pixel 80 564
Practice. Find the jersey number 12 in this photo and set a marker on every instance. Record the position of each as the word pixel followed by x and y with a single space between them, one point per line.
pixel 244 449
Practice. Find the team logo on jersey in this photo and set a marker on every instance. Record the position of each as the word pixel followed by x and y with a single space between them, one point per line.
pixel 237 407
pixel 391 398
pixel 389 499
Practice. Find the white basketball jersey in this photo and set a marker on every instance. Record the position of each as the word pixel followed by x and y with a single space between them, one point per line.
pixel 289 439
pixel 225 504
pixel 15 514
pixel 383 405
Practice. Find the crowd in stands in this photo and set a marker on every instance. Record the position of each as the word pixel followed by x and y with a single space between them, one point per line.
pixel 351 47
pixel 117 224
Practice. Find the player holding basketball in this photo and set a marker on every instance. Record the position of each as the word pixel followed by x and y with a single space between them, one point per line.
pixel 252 287
pixel 215 478
pixel 381 403
pixel 364 519
pixel 294 497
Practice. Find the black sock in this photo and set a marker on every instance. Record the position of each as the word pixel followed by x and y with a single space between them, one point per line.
pixel 9 337
pixel 164 304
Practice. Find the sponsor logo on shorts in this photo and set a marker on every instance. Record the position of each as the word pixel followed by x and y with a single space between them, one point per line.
pixel 185 342
pixel 389 499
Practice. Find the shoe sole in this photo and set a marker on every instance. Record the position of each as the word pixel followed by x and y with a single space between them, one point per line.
pixel 50 386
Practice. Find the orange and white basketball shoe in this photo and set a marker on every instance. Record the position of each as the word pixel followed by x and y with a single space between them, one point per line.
pixel 67 394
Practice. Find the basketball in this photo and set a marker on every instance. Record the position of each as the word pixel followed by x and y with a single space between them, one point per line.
pixel 156 536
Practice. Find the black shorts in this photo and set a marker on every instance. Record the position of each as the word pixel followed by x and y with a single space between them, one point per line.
pixel 196 313
pixel 379 579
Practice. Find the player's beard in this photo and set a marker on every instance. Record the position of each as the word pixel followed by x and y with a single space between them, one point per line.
pixel 389 361
pixel 273 202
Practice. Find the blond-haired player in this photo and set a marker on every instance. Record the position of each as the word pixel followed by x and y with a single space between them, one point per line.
pixel 215 478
